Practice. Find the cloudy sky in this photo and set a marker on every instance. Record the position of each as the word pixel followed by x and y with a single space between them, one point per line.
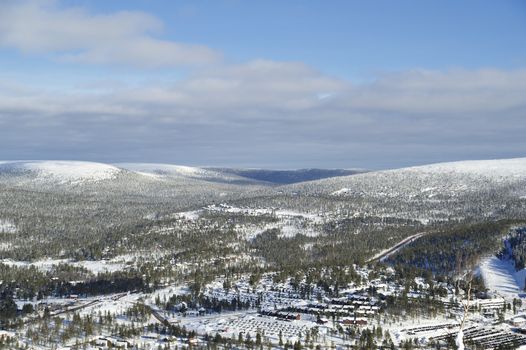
pixel 278 84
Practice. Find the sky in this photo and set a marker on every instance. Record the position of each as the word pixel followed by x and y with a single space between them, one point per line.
pixel 273 84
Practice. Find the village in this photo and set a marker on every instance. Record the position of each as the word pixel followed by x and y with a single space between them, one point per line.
pixel 275 315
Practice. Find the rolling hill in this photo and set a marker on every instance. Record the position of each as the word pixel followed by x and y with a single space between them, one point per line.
pixel 443 180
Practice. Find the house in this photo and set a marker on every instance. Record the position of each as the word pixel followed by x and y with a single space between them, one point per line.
pixel 151 336
pixel 322 321
pixel 114 342
pixel 356 321
pixel 193 341
pixel 519 321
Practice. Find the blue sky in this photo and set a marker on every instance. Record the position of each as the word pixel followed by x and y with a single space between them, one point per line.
pixel 282 84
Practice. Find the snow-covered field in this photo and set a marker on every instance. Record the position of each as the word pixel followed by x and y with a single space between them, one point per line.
pixel 225 208
pixel 289 222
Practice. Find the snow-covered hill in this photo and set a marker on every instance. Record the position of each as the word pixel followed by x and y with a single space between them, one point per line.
pixel 161 171
pixel 495 169
pixel 239 175
pixel 428 181
pixel 155 183
pixel 78 173
pixel 50 174
pixel 58 172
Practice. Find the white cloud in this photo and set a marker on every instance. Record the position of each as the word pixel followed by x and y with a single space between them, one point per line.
pixel 289 89
pixel 73 34
pixel 453 91
pixel 266 111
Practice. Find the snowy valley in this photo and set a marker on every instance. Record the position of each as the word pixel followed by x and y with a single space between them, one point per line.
pixel 149 256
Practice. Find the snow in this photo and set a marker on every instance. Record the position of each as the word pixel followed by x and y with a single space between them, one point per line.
pixel 500 277
pixel 515 167
pixel 459 341
pixel 289 222
pixel 341 191
pixel 47 264
pixel 192 215
pixel 160 171
pixel 43 265
pixel 429 181
pixel 72 172
pixel 7 226
pixel 279 213
pixel 5 246
pixel 99 266
pixel 163 169
pixel 167 292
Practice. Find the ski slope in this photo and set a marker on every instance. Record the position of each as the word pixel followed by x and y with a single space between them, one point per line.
pixel 501 278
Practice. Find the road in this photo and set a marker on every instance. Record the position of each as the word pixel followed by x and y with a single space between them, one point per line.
pixel 384 254
pixel 67 308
